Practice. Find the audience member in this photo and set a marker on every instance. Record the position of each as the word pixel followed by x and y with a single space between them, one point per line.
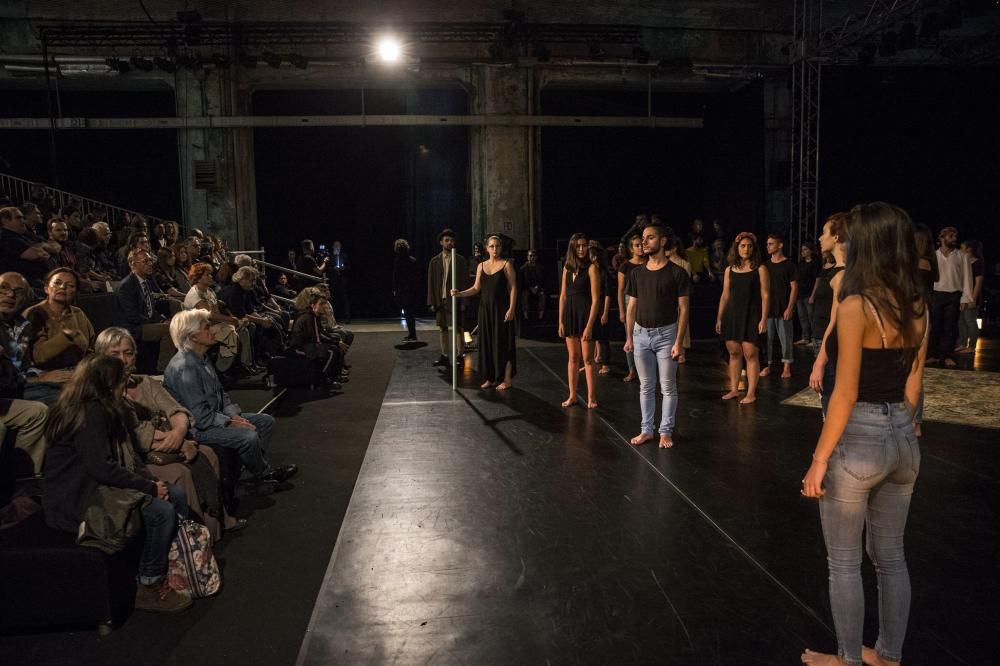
pixel 25 417
pixel 233 334
pixel 168 278
pixel 135 310
pixel 307 264
pixel 91 452
pixel 33 220
pixel 161 428
pixel 104 258
pixel 20 253
pixel 216 419
pixel 241 303
pixel 308 339
pixel 281 287
pixel 697 258
pixel 159 240
pixel 137 240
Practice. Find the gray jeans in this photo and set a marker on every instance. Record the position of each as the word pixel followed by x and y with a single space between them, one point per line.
pixel 869 484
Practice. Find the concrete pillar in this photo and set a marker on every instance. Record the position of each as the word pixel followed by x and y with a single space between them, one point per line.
pixel 501 170
pixel 228 207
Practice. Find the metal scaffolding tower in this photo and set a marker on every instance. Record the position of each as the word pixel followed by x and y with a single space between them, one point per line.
pixel 806 87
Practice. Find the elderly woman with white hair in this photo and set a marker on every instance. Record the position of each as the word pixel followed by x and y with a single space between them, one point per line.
pixel 161 427
pixel 216 419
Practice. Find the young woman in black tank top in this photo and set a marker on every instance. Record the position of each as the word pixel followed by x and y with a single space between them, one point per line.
pixel 867 458
pixel 833 240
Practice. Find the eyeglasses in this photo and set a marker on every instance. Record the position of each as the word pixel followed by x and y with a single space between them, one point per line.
pixel 12 289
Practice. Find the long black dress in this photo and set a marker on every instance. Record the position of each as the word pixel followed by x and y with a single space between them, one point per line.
pixel 742 317
pixel 576 312
pixel 497 338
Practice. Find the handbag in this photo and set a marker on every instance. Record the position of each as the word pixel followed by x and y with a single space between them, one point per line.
pixel 164 458
pixel 192 569
pixel 113 518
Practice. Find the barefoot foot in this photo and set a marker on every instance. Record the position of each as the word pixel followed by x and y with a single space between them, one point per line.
pixel 503 386
pixel 485 385
pixel 873 658
pixel 569 402
pixel 666 442
pixel 749 399
pixel 629 378
pixel 640 439
pixel 765 372
pixel 732 394
pixel 592 404
pixel 810 657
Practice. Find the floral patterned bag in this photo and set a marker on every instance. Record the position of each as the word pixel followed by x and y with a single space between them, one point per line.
pixel 192 567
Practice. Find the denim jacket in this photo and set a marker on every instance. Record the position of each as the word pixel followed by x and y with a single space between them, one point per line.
pixel 193 383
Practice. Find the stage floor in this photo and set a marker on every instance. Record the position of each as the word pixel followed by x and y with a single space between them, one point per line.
pixel 501 528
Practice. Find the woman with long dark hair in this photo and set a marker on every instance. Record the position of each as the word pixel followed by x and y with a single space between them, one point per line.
pixel 496 285
pixel 636 258
pixel 742 314
pixel 91 445
pixel 832 241
pixel 579 299
pixel 867 458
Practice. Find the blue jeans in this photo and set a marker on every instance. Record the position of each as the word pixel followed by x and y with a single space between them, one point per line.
pixel 159 522
pixel 784 331
pixel 968 328
pixel 805 311
pixel 251 444
pixel 652 359
pixel 629 356
pixel 869 484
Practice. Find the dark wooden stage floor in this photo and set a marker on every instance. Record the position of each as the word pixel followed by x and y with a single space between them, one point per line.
pixel 501 528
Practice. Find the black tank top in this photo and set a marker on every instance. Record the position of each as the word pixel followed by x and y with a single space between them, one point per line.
pixel 883 371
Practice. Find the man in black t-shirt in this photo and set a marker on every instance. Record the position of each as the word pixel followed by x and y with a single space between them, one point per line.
pixel 784 292
pixel 655 321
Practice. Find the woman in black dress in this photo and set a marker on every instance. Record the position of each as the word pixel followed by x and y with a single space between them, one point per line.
pixel 833 240
pixel 743 313
pixel 404 281
pixel 496 285
pixel 579 299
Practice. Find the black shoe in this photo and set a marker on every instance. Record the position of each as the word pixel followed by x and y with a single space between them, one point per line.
pixel 281 474
pixel 441 362
pixel 334 386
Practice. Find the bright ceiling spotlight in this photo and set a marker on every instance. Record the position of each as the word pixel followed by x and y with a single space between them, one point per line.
pixel 389 49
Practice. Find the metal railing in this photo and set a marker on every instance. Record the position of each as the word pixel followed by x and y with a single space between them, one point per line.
pixel 19 191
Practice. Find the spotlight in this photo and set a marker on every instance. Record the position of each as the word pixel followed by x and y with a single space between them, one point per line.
pixel 389 49
pixel 120 66
pixel 166 64
pixel 272 59
pixel 298 61
pixel 142 64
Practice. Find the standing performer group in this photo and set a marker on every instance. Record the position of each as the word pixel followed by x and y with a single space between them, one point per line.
pixel 579 299
pixel 496 285
pixel 655 321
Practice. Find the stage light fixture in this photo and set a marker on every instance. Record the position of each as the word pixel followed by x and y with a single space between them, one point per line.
pixel 389 49
pixel 272 59
pixel 298 61
pixel 165 64
pixel 142 64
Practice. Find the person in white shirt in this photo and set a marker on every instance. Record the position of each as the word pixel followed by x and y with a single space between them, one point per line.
pixel 952 294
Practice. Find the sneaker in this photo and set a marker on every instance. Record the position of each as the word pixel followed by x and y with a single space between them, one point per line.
pixel 442 361
pixel 160 598
pixel 281 474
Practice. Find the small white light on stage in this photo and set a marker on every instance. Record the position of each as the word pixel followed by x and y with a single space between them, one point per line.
pixel 468 338
pixel 389 49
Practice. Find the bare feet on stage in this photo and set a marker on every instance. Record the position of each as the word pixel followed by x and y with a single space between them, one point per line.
pixel 592 404
pixel 732 394
pixel 765 372
pixel 486 385
pixel 569 402
pixel 873 658
pixel 630 377
pixel 749 399
pixel 641 439
pixel 787 372
pixel 503 386
pixel 810 657
pixel 666 442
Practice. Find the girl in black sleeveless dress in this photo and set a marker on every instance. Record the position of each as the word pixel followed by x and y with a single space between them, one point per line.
pixel 579 298
pixel 496 285
pixel 742 311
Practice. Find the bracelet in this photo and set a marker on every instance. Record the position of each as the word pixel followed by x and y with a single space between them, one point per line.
pixel 822 462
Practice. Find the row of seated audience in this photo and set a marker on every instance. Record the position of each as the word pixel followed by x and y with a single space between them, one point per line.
pixel 87 410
